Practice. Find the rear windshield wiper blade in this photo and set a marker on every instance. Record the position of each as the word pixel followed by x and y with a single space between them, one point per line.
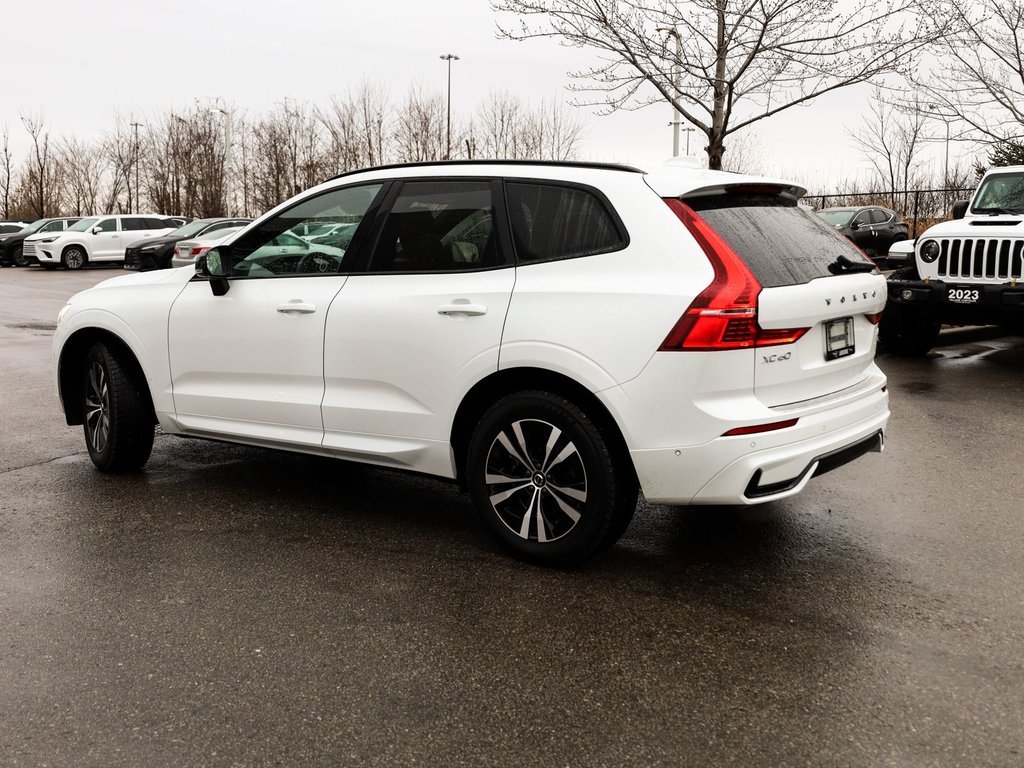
pixel 846 264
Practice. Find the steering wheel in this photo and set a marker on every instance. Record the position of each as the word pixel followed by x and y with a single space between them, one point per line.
pixel 318 262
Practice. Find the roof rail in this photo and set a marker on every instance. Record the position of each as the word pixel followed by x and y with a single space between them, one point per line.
pixel 449 163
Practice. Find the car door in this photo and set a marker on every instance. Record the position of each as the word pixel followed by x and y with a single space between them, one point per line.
pixel 409 336
pixel 248 364
pixel 104 239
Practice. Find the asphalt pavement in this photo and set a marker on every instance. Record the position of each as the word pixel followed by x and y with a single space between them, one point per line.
pixel 232 606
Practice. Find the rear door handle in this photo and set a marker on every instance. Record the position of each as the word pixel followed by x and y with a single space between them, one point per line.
pixel 296 306
pixel 462 308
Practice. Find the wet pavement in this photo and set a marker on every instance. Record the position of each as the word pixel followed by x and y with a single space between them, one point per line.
pixel 235 606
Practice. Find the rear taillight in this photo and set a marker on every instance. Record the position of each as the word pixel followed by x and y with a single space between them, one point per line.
pixel 724 315
pixel 196 252
pixel 874 317
pixel 177 251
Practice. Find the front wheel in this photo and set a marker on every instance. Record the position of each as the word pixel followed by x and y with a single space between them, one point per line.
pixel 551 484
pixel 73 258
pixel 118 421
pixel 18 256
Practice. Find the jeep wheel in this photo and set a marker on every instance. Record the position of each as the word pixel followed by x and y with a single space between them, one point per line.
pixel 906 333
pixel 73 258
pixel 118 415
pixel 549 482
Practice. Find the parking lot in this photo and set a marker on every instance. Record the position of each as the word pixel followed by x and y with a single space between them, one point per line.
pixel 237 606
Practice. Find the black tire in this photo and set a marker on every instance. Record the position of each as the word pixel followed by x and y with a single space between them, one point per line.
pixel 906 333
pixel 73 257
pixel 18 256
pixel 551 454
pixel 118 413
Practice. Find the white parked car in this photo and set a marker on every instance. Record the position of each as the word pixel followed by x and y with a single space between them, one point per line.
pixel 555 337
pixel 96 239
pixel 186 252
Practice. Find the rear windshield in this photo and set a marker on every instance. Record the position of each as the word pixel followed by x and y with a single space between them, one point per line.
pixel 782 243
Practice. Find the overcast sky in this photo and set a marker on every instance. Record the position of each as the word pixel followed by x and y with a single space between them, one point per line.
pixel 80 62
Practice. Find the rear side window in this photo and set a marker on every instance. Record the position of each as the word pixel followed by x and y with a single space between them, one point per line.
pixel 132 225
pixel 781 243
pixel 551 221
pixel 878 216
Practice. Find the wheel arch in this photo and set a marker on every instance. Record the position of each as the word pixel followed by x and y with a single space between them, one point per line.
pixel 70 383
pixel 508 381
pixel 75 244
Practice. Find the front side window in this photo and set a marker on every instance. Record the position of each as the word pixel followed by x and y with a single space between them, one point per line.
pixel 558 222
pixel 277 249
pixel 862 219
pixel 438 226
pixel 53 226
pixel 108 225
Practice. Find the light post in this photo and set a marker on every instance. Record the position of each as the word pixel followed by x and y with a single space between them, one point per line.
pixel 449 57
pixel 228 178
pixel 135 127
pixel 677 117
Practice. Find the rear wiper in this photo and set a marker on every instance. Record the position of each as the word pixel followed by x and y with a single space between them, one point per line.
pixel 846 264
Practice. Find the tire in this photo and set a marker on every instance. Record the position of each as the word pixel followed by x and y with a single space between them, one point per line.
pixel 73 257
pixel 906 333
pixel 18 256
pixel 550 484
pixel 118 413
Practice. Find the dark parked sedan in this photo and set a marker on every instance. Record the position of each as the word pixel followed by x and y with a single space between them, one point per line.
pixel 871 228
pixel 156 252
pixel 12 244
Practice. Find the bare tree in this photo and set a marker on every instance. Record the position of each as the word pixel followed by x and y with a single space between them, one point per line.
pixel 725 64
pixel 83 174
pixel 420 132
pixel 980 77
pixel 356 127
pixel 40 173
pixel 6 173
pixel 891 138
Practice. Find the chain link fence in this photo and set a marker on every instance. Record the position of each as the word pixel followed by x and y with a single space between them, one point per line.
pixel 920 208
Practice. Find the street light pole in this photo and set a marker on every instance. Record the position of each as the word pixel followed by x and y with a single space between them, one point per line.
pixel 135 126
pixel 677 117
pixel 229 189
pixel 449 57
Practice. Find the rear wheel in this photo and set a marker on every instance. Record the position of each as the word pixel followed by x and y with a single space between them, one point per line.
pixel 73 257
pixel 906 333
pixel 549 482
pixel 118 421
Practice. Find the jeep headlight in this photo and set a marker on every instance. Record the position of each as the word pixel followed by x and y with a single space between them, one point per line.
pixel 930 251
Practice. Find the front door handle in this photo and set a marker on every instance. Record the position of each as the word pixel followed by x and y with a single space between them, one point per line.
pixel 297 306
pixel 462 308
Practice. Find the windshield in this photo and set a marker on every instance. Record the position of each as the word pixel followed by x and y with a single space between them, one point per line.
pixel 1002 193
pixel 836 218
pixel 83 226
pixel 33 228
pixel 190 229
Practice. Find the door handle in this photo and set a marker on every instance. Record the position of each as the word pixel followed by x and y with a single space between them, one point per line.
pixel 462 308
pixel 297 306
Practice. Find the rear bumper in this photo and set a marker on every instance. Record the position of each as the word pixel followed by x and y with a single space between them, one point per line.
pixel 758 468
pixel 996 303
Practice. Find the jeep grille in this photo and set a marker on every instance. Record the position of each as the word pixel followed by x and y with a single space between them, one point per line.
pixel 998 258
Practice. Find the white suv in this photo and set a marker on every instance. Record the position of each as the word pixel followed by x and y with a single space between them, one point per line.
pixel 553 336
pixel 97 238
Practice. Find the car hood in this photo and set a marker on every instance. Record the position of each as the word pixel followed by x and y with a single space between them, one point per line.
pixel 981 226
pixel 182 275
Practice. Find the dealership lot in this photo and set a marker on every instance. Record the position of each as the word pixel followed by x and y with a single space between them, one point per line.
pixel 239 606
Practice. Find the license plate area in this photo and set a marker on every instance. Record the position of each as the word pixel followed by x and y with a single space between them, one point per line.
pixel 839 338
pixel 961 294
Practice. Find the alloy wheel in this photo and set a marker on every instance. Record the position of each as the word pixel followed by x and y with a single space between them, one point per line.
pixel 536 480
pixel 97 407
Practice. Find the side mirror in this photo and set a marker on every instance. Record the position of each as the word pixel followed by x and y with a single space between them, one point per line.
pixel 215 265
pixel 960 208
pixel 854 225
pixel 96 230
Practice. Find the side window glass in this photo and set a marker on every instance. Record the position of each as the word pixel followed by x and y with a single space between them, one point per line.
pixel 53 226
pixel 107 225
pixel 556 222
pixel 438 226
pixel 878 216
pixel 131 224
pixel 863 218
pixel 276 249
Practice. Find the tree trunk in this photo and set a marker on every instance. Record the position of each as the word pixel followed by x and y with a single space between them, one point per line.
pixel 715 151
